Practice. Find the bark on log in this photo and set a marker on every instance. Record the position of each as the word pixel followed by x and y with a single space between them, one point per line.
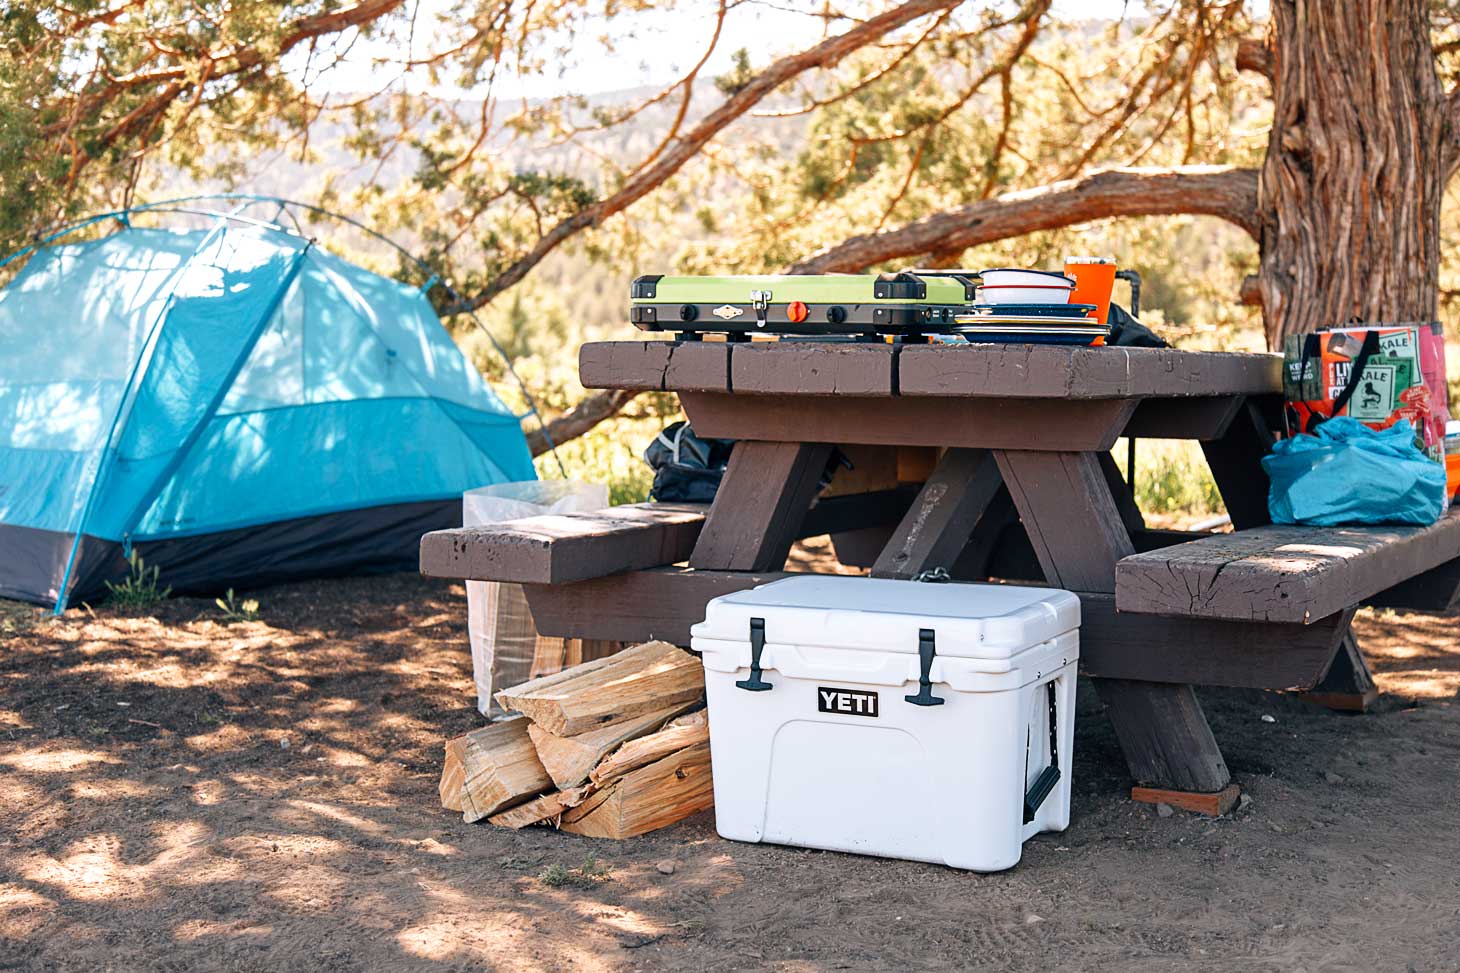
pixel 1352 183
pixel 1222 191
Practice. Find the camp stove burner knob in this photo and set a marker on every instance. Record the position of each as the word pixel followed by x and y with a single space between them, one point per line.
pixel 836 314
pixel 688 312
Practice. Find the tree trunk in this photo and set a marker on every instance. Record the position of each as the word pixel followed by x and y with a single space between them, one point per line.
pixel 1349 200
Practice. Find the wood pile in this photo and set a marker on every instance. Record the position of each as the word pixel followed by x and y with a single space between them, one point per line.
pixel 611 748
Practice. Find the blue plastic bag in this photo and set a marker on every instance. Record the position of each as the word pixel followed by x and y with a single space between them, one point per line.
pixel 1345 473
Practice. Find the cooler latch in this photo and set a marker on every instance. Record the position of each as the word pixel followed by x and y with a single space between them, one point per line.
pixel 926 652
pixel 760 301
pixel 755 683
pixel 1048 777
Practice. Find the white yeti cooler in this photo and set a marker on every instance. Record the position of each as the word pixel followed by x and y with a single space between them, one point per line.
pixel 906 719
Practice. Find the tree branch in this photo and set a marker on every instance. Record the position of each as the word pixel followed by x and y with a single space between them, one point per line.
pixel 578 420
pixel 1450 152
pixel 1254 55
pixel 673 159
pixel 1222 191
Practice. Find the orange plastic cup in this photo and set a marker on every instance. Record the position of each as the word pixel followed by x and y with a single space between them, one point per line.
pixel 1094 283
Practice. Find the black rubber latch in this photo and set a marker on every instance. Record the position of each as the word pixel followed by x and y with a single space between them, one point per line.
pixel 1044 784
pixel 755 683
pixel 836 314
pixel 925 695
pixel 901 286
pixel 646 287
pixel 688 312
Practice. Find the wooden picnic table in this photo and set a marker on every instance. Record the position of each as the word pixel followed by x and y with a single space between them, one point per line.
pixel 1024 488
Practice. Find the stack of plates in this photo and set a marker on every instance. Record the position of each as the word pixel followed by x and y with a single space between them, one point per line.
pixel 1048 324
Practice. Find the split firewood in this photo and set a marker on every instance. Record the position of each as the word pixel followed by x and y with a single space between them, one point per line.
pixel 569 759
pixel 639 680
pixel 499 768
pixel 655 796
pixel 684 732
pixel 539 809
pixel 453 777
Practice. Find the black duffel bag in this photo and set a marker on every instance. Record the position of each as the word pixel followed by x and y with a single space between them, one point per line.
pixel 687 469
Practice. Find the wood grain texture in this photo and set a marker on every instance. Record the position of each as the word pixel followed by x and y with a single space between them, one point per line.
pixel 1212 805
pixel 499 768
pixel 654 366
pixel 1070 515
pixel 664 603
pixel 1348 686
pixel 668 790
pixel 569 759
pixel 1437 590
pixel 1282 573
pixel 811 368
pixel 639 680
pixel 566 547
pixel 687 731
pixel 1164 735
pixel 1061 372
pixel 994 423
pixel 760 506
pixel 937 526
pixel 641 605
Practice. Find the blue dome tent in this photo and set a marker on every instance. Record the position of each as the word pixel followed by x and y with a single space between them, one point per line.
pixel 235 402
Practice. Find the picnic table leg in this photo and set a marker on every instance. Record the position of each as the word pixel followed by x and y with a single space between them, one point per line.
pixel 760 505
pixel 937 526
pixel 1236 464
pixel 1079 534
pixel 1348 686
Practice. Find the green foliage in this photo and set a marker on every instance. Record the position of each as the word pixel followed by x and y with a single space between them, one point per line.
pixel 234 610
pixel 1173 481
pixel 591 872
pixel 139 591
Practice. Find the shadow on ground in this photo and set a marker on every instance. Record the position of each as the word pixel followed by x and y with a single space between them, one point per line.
pixel 182 793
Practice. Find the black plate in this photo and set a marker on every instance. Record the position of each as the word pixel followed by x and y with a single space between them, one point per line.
pixel 1037 310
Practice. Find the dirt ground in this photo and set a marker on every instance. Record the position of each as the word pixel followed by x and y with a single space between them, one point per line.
pixel 179 793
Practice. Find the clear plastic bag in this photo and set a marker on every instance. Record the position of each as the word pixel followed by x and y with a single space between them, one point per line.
pixel 503 636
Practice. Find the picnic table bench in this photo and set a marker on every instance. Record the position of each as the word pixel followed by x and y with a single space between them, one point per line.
pixel 1023 489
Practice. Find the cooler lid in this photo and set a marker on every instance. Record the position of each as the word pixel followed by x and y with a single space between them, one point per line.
pixel 973 621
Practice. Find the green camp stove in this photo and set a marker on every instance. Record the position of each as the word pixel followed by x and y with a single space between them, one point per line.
pixel 906 304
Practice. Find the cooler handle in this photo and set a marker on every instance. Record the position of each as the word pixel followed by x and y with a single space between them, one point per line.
pixel 755 683
pixel 925 695
pixel 1044 784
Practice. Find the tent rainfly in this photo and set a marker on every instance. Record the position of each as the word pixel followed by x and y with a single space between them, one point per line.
pixel 238 404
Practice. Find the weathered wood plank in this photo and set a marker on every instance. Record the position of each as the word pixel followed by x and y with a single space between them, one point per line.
pixel 664 603
pixel 1049 371
pixel 760 506
pixel 1072 519
pixel 638 606
pixel 1027 423
pixel 1206 418
pixel 1282 573
pixel 1164 735
pixel 1348 686
pixel 937 526
pixel 1437 590
pixel 857 511
pixel 655 366
pixel 1235 460
pixel 811 368
pixel 567 547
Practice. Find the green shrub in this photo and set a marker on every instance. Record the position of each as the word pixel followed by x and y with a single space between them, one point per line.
pixel 238 611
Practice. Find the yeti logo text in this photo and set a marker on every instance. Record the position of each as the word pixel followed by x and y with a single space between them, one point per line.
pixel 847 702
pixel 727 311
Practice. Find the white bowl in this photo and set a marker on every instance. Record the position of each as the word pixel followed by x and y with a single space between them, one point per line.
pixel 1007 285
pixel 1010 294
